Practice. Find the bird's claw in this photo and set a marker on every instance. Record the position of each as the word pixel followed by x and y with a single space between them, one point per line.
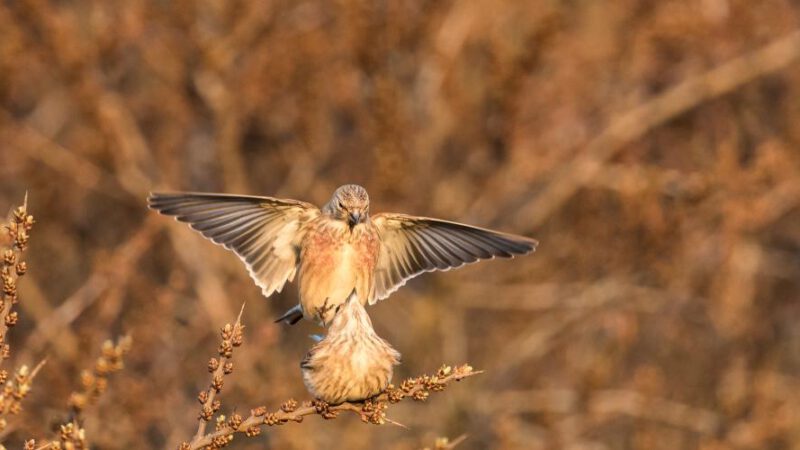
pixel 322 312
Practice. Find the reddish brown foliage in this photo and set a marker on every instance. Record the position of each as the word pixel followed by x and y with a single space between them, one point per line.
pixel 660 311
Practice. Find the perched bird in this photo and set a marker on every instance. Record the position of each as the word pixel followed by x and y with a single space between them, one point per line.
pixel 351 363
pixel 337 250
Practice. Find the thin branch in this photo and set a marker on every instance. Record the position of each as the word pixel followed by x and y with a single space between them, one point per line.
pixel 20 385
pixel 114 271
pixel 42 148
pixel 11 269
pixel 615 402
pixel 444 443
pixel 370 411
pixel 231 337
pixel 95 382
pixel 635 123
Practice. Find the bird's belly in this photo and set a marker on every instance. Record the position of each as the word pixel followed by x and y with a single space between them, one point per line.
pixel 334 262
pixel 329 277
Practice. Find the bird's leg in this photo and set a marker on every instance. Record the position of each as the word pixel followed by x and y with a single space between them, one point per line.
pixel 323 311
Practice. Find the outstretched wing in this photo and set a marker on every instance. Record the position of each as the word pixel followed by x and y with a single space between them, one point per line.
pixel 412 245
pixel 264 232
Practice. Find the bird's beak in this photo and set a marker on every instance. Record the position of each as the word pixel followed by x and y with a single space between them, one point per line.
pixel 354 218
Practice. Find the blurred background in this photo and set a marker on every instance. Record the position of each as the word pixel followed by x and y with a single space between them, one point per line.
pixel 652 148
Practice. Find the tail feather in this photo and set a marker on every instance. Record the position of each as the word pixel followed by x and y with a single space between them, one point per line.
pixel 292 316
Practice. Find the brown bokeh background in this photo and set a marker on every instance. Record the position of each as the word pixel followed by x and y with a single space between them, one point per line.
pixel 659 172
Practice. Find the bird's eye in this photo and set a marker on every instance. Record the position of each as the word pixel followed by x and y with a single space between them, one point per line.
pixel 341 206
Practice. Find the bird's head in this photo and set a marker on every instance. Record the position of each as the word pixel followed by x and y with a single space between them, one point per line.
pixel 349 203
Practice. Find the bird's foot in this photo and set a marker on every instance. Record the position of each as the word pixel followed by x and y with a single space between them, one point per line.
pixel 322 313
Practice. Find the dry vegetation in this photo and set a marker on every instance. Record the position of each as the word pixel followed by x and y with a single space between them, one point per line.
pixel 371 411
pixel 652 147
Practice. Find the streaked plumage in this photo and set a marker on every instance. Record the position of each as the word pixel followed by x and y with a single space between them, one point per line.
pixel 351 362
pixel 338 249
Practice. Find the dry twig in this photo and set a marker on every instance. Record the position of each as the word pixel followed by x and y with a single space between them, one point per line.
pixel 19 227
pixel 113 273
pixel 231 337
pixel 370 411
pixel 443 443
pixel 72 436
pixel 95 382
pixel 17 387
pixel 637 122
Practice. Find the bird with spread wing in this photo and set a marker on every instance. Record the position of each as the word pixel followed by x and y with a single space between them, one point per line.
pixel 334 251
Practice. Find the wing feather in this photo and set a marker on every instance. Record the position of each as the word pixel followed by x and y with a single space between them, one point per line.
pixel 264 232
pixel 413 245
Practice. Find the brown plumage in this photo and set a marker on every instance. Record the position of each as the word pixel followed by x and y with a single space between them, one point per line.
pixel 338 249
pixel 351 362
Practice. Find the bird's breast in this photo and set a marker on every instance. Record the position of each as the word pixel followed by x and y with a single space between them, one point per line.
pixel 335 260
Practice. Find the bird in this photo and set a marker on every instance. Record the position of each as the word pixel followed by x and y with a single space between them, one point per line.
pixel 351 363
pixel 335 250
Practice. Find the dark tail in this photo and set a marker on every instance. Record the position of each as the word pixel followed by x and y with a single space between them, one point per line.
pixel 292 316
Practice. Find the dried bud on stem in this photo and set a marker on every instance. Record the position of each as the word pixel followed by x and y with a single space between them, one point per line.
pixel 18 227
pixel 370 411
pixel 16 387
pixel 231 336
pixel 94 382
pixel 14 390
